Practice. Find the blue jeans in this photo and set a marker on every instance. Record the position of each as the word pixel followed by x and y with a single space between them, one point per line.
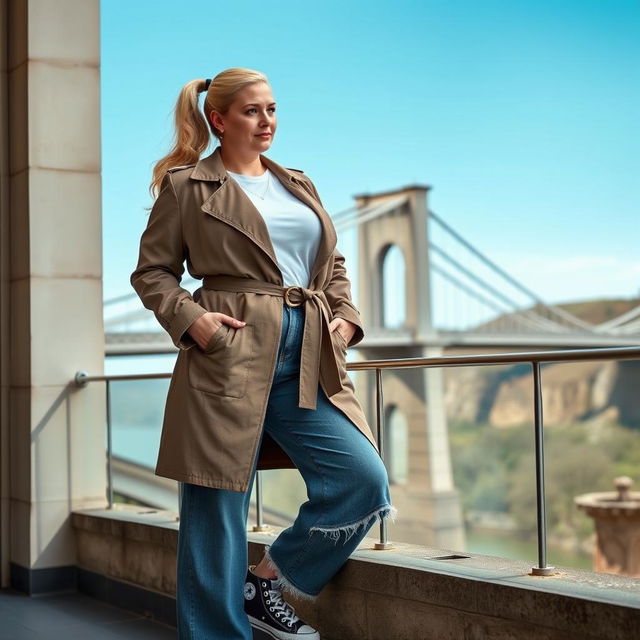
pixel 348 491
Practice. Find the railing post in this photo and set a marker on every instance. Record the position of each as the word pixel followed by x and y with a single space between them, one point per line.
pixel 542 569
pixel 109 448
pixel 384 543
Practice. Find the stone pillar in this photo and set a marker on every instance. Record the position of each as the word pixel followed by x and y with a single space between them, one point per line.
pixel 444 506
pixel 428 502
pixel 52 434
pixel 617 519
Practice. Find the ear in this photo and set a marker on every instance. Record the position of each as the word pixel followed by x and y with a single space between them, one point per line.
pixel 214 118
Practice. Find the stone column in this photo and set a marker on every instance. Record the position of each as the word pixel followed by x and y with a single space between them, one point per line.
pixel 443 504
pixel 428 501
pixel 52 286
pixel 617 520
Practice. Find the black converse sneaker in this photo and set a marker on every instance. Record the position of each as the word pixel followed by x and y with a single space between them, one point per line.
pixel 270 613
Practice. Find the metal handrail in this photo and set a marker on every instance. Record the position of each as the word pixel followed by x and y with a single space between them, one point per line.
pixel 536 358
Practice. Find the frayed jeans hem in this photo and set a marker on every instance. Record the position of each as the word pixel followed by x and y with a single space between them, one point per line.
pixel 283 582
pixel 333 532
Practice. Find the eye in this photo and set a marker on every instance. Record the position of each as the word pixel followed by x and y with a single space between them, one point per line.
pixel 254 109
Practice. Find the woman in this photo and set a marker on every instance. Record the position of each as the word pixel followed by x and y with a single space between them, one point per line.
pixel 260 379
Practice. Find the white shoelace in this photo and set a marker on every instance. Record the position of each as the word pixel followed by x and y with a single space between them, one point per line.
pixel 289 613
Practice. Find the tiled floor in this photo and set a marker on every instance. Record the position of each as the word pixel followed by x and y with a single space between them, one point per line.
pixel 72 616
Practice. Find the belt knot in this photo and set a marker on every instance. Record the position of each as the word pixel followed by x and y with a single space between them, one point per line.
pixel 296 295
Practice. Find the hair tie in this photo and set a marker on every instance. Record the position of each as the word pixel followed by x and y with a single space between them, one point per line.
pixel 207 82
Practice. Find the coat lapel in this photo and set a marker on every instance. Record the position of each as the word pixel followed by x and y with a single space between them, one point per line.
pixel 230 204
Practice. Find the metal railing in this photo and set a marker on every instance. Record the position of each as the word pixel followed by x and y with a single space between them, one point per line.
pixel 535 358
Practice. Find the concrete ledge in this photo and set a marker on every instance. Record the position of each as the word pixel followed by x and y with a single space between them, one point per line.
pixel 392 594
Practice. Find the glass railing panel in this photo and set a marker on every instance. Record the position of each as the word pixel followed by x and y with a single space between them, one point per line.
pixel 459 443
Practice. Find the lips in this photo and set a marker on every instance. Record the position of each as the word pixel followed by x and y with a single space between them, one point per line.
pixel 264 135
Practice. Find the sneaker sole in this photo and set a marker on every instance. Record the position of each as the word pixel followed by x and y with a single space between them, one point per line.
pixel 267 633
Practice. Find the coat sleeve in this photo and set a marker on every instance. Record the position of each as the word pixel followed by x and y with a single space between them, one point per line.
pixel 338 291
pixel 157 276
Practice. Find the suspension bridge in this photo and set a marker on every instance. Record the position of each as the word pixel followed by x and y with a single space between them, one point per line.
pixel 472 300
pixel 422 289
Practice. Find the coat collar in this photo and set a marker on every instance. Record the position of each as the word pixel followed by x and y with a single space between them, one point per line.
pixel 211 167
pixel 230 204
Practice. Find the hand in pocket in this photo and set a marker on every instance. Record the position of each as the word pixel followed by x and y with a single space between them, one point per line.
pixel 204 329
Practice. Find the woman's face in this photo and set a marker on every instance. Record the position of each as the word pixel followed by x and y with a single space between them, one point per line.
pixel 253 112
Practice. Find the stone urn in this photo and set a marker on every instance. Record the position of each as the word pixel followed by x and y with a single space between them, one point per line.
pixel 617 519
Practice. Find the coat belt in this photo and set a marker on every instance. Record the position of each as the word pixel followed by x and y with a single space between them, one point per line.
pixel 317 358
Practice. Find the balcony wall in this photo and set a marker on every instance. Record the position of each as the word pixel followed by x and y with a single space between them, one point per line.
pixel 127 556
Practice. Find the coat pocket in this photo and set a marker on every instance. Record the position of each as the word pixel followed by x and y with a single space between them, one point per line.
pixel 213 340
pixel 222 368
pixel 341 339
pixel 339 345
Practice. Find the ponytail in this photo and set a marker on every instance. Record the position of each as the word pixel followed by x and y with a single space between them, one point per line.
pixel 191 136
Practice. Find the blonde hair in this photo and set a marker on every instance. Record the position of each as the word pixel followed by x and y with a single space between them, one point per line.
pixel 192 126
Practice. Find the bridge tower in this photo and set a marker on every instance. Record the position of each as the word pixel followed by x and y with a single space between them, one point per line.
pixel 396 311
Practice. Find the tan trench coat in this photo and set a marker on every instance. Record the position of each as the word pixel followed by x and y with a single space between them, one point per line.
pixel 218 396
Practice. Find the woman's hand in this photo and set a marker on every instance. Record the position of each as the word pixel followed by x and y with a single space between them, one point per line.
pixel 344 327
pixel 207 324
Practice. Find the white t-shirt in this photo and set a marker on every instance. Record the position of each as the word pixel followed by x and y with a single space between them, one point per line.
pixel 294 228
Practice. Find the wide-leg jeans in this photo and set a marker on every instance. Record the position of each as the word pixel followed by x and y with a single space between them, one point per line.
pixel 347 488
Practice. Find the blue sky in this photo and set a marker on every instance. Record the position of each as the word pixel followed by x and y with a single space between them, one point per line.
pixel 521 116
